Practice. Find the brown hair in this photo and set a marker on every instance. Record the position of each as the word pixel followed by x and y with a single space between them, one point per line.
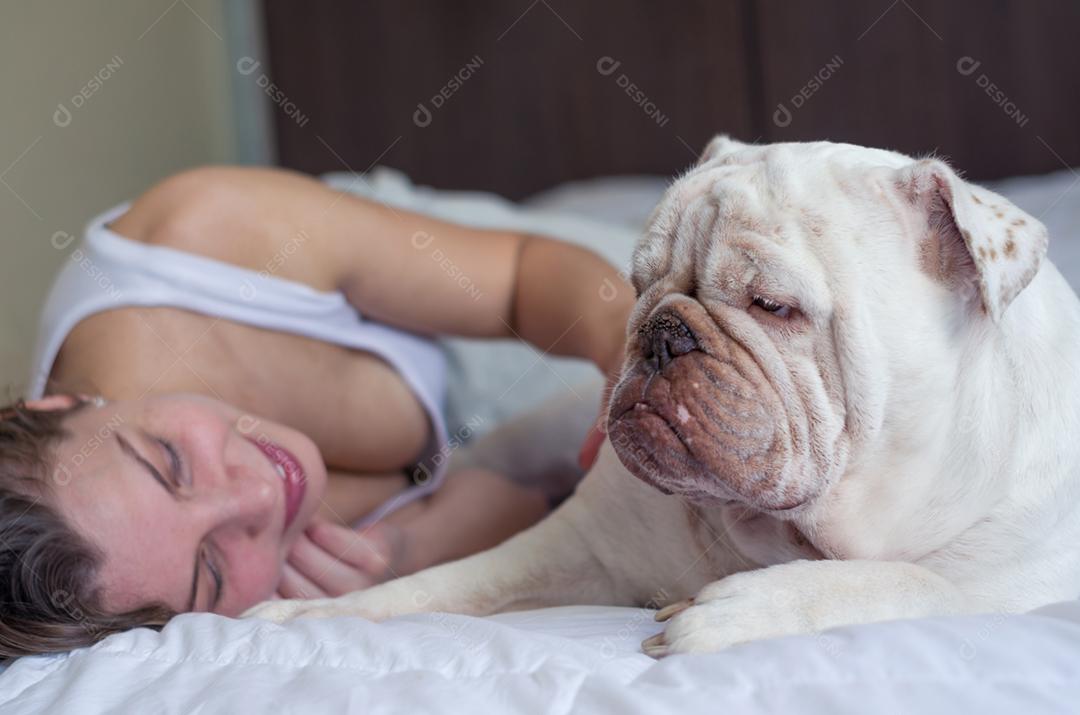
pixel 49 601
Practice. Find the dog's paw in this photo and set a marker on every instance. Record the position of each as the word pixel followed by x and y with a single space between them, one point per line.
pixel 377 603
pixel 286 609
pixel 743 607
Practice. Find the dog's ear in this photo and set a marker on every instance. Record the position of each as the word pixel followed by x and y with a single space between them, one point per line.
pixel 975 241
pixel 719 146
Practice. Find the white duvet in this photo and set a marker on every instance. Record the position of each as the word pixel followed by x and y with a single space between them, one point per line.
pixel 576 659
pixel 560 660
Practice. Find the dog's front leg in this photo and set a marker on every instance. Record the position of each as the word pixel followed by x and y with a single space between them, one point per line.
pixel 802 597
pixel 546 565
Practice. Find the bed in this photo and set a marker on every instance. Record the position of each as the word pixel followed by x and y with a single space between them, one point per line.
pixel 574 658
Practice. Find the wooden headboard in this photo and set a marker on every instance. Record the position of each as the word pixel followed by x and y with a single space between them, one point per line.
pixel 514 96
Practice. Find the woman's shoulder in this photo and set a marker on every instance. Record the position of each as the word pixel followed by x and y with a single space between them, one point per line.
pixel 221 212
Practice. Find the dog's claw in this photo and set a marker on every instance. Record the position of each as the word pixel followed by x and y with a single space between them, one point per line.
pixel 655 647
pixel 672 608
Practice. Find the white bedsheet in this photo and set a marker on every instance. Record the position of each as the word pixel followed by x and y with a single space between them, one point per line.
pixel 561 660
pixel 582 659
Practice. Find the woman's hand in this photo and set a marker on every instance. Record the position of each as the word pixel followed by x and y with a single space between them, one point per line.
pixel 331 560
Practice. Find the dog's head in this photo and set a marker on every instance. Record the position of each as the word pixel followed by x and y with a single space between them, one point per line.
pixel 803 307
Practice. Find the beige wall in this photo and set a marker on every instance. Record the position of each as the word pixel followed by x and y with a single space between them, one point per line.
pixel 161 103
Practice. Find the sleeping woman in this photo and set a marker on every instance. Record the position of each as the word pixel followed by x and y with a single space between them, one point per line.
pixel 238 398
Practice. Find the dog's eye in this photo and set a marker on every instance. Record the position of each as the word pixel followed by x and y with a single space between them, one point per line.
pixel 771 306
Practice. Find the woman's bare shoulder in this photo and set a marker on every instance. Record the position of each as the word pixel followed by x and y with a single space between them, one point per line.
pixel 227 213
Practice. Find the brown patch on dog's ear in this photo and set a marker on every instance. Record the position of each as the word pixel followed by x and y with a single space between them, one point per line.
pixel 974 239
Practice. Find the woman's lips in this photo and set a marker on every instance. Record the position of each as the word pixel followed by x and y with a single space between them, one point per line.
pixel 292 474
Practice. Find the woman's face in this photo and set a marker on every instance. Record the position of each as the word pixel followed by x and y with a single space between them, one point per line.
pixel 166 531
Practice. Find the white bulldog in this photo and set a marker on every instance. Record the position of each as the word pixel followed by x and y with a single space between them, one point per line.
pixel 851 393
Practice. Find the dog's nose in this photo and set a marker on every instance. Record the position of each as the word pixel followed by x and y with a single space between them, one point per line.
pixel 665 338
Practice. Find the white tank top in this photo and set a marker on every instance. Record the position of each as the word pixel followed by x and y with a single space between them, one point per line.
pixel 107 271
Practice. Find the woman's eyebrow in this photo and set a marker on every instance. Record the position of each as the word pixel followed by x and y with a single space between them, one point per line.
pixel 130 451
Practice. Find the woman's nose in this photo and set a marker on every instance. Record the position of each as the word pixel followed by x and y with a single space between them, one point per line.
pixel 246 497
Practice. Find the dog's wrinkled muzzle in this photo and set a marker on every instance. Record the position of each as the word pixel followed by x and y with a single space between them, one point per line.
pixel 695 415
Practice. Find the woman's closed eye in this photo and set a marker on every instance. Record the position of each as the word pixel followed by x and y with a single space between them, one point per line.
pixel 215 575
pixel 181 479
pixel 176 464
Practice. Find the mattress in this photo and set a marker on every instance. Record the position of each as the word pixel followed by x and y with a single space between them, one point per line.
pixel 573 659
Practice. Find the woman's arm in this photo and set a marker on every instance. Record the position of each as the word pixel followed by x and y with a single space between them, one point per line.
pixel 432 276
pixel 395 266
